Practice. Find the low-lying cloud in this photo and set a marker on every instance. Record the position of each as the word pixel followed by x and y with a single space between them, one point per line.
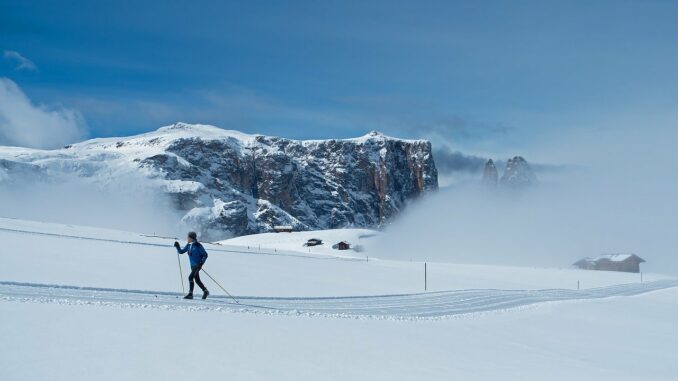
pixel 25 124
pixel 456 161
pixel 621 199
pixel 455 167
pixel 123 204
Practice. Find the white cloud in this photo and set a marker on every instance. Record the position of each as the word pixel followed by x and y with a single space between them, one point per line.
pixel 23 62
pixel 23 123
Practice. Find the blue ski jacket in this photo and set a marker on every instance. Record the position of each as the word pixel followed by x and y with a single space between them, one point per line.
pixel 196 253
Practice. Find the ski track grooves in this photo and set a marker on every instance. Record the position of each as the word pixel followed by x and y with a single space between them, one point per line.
pixel 431 305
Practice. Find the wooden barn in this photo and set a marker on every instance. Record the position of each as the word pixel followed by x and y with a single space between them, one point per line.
pixel 283 229
pixel 343 245
pixel 629 263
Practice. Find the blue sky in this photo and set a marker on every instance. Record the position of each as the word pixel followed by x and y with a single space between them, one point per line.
pixel 478 76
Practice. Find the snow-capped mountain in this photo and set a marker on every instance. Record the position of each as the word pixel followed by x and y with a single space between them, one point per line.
pixel 226 183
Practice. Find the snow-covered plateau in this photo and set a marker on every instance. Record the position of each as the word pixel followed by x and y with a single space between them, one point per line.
pixel 88 303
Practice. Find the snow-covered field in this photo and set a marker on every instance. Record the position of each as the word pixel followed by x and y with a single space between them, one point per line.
pixel 88 303
pixel 295 241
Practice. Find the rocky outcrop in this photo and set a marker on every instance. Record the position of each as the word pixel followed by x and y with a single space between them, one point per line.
pixel 490 175
pixel 518 174
pixel 307 184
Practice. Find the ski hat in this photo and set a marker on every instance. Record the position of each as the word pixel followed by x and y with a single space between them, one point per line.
pixel 193 235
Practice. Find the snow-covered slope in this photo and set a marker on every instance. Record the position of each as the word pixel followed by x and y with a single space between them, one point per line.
pixel 228 183
pixel 297 241
pixel 621 339
pixel 109 299
pixel 259 265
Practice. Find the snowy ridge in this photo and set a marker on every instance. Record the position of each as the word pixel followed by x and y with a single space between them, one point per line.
pixel 374 136
pixel 160 139
pixel 434 305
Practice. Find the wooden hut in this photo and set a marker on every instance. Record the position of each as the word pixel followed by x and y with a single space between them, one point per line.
pixel 314 242
pixel 343 245
pixel 283 229
pixel 629 263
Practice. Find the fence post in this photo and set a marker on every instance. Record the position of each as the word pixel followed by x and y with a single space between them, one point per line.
pixel 425 278
pixel 577 285
pixel 641 277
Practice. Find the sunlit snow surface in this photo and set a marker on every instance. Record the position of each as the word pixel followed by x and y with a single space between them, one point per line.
pixel 78 303
pixel 407 306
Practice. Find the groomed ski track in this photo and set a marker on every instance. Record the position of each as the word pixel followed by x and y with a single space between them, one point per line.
pixel 431 305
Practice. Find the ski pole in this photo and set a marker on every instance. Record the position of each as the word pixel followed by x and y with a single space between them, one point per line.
pixel 215 281
pixel 181 275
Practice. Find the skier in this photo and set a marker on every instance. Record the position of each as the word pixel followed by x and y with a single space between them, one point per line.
pixel 197 256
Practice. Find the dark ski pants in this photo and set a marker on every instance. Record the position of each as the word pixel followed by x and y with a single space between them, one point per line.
pixel 195 274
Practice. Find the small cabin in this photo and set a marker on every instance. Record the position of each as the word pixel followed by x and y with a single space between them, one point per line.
pixel 629 263
pixel 283 229
pixel 343 245
pixel 314 242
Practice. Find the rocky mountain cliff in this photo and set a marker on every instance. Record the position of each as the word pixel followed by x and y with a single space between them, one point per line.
pixel 225 183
